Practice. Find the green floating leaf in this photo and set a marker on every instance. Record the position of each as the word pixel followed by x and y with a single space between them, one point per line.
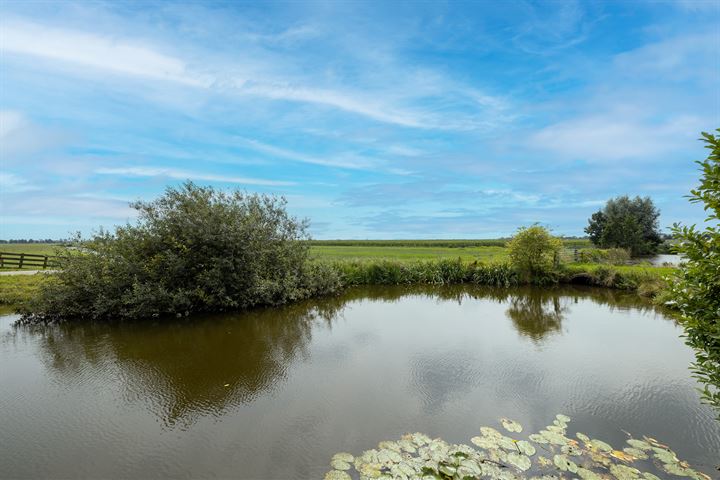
pixel 639 444
pixel 345 457
pixel 526 448
pixel 587 474
pixel 583 437
pixel 636 452
pixel 600 445
pixel 563 463
pixel 623 472
pixel 519 461
pixel 511 425
pixel 562 418
pixel 498 457
pixel 337 475
pixel 339 464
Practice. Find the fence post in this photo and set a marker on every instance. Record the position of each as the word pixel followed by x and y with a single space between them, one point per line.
pixel 2 261
pixel 575 255
pixel 22 259
pixel 45 262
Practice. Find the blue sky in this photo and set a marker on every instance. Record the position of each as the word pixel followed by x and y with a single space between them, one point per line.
pixel 374 119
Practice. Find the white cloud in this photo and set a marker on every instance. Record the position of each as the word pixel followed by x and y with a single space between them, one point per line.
pixel 346 101
pixel 135 58
pixel 273 151
pixel 19 135
pixel 95 51
pixel 616 137
pixel 187 175
pixel 11 183
pixel 10 122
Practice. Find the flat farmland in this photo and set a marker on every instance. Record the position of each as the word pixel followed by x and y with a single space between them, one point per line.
pixel 408 253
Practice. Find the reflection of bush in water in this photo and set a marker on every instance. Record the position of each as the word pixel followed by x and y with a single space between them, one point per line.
pixel 536 315
pixel 181 367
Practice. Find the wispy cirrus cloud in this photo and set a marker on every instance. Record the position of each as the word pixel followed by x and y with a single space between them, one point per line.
pixel 134 57
pixel 96 51
pixel 395 120
pixel 616 138
pixel 180 174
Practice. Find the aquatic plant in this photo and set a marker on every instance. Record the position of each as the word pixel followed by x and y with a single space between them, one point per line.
pixel 546 455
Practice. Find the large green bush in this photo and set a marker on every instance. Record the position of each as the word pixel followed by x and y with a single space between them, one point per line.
pixel 629 223
pixel 696 287
pixel 193 249
pixel 534 252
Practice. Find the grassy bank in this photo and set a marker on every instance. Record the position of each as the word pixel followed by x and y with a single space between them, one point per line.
pixel 409 262
pixel 15 289
pixel 647 281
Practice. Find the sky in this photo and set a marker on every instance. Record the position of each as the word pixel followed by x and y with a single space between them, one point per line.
pixel 374 119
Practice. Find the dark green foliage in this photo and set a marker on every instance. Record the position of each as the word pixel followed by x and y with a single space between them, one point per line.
pixel 629 223
pixel 193 249
pixel 695 290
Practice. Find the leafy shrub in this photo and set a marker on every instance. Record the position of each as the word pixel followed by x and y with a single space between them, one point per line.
pixel 612 256
pixel 630 223
pixel 695 288
pixel 193 249
pixel 534 252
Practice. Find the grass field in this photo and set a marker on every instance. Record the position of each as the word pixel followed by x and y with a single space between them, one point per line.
pixel 18 288
pixel 401 253
pixel 410 250
pixel 49 249
pixel 34 248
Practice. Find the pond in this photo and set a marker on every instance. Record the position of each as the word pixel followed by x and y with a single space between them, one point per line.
pixel 274 393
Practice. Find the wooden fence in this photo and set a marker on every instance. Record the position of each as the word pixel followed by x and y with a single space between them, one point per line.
pixel 26 260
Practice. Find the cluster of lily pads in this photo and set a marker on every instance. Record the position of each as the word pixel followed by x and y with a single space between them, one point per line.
pixel 547 455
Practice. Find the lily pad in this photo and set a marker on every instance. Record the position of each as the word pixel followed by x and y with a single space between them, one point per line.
pixel 587 474
pixel 636 453
pixel 526 448
pixel 639 444
pixel 519 461
pixel 495 456
pixel 337 475
pixel 600 446
pixel 623 472
pixel 511 425
pixel 584 437
pixel 345 457
pixel 563 463
pixel 339 464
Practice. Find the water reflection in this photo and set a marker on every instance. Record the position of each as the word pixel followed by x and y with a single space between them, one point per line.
pixel 274 393
pixel 206 365
pixel 537 314
pixel 188 368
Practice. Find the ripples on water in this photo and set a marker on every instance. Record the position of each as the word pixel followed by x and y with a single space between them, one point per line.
pixel 274 393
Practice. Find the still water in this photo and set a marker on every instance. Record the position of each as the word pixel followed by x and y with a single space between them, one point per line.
pixel 275 393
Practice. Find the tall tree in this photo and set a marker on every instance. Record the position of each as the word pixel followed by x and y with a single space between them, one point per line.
pixel 625 222
pixel 695 290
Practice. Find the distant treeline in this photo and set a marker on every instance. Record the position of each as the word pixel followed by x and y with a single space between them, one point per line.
pixel 570 242
pixel 30 240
